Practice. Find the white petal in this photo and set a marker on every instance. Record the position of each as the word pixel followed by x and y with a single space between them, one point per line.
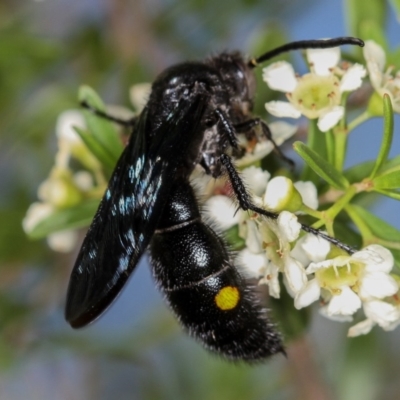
pixel 139 94
pixel 377 284
pixel 362 328
pixel 308 294
pixel 251 264
pixel 323 60
pixel 330 119
pixel 221 210
pixel 352 79
pixel 289 226
pixel 282 109
pixel 381 312
pixel 375 75
pixel 346 303
pixel 315 247
pixel 308 193
pixel 65 126
pixel 278 190
pixel 35 214
pixel 281 131
pixel 261 150
pixel 391 325
pixel 295 274
pixel 339 261
pixel 255 179
pixel 375 258
pixel 280 76
pixel 373 52
pixel 83 180
pixel 253 237
pixel 271 279
pixel 338 318
pixel 63 241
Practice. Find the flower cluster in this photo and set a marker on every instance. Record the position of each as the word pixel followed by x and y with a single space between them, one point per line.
pixel 317 94
pixel 64 188
pixel 312 269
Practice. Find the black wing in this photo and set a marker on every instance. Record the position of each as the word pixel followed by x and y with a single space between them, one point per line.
pixel 129 211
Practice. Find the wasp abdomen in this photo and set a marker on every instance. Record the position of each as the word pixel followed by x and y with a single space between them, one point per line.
pixel 193 269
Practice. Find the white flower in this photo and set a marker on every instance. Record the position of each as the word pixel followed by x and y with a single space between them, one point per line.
pixel 384 82
pixel 63 241
pixel 139 95
pixel 351 281
pixel 316 94
pixel 36 213
pixel 277 237
pixel 221 210
pixel 378 312
pixel 255 179
pixel 308 193
pixel 67 136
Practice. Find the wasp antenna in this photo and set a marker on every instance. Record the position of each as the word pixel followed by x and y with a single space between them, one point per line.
pixel 305 44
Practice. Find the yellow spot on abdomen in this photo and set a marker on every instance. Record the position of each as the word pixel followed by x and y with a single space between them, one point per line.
pixel 227 298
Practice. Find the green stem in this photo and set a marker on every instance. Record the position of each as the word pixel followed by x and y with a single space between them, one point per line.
pixel 365 232
pixel 340 148
pixel 341 203
pixel 330 146
pixel 310 211
pixel 308 174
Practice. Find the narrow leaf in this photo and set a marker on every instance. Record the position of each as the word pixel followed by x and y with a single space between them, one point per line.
pixel 106 159
pixel 389 193
pixel 321 167
pixel 75 217
pixel 381 230
pixel 387 135
pixel 390 180
pixel 378 227
pixel 102 129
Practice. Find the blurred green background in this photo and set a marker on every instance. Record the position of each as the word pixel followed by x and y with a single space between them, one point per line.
pixel 47 50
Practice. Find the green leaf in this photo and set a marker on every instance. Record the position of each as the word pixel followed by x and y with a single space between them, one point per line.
pixel 106 159
pixel 378 227
pixel 387 135
pixel 75 217
pixel 321 167
pixel 389 180
pixel 393 194
pixel 103 130
pixel 235 242
pixel 381 229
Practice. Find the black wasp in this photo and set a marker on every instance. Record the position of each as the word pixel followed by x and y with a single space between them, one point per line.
pixel 193 115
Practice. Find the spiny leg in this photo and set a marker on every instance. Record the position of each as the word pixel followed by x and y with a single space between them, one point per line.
pixel 245 203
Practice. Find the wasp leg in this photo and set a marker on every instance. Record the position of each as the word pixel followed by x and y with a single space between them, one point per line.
pixel 227 127
pixel 251 123
pixel 131 122
pixel 245 203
